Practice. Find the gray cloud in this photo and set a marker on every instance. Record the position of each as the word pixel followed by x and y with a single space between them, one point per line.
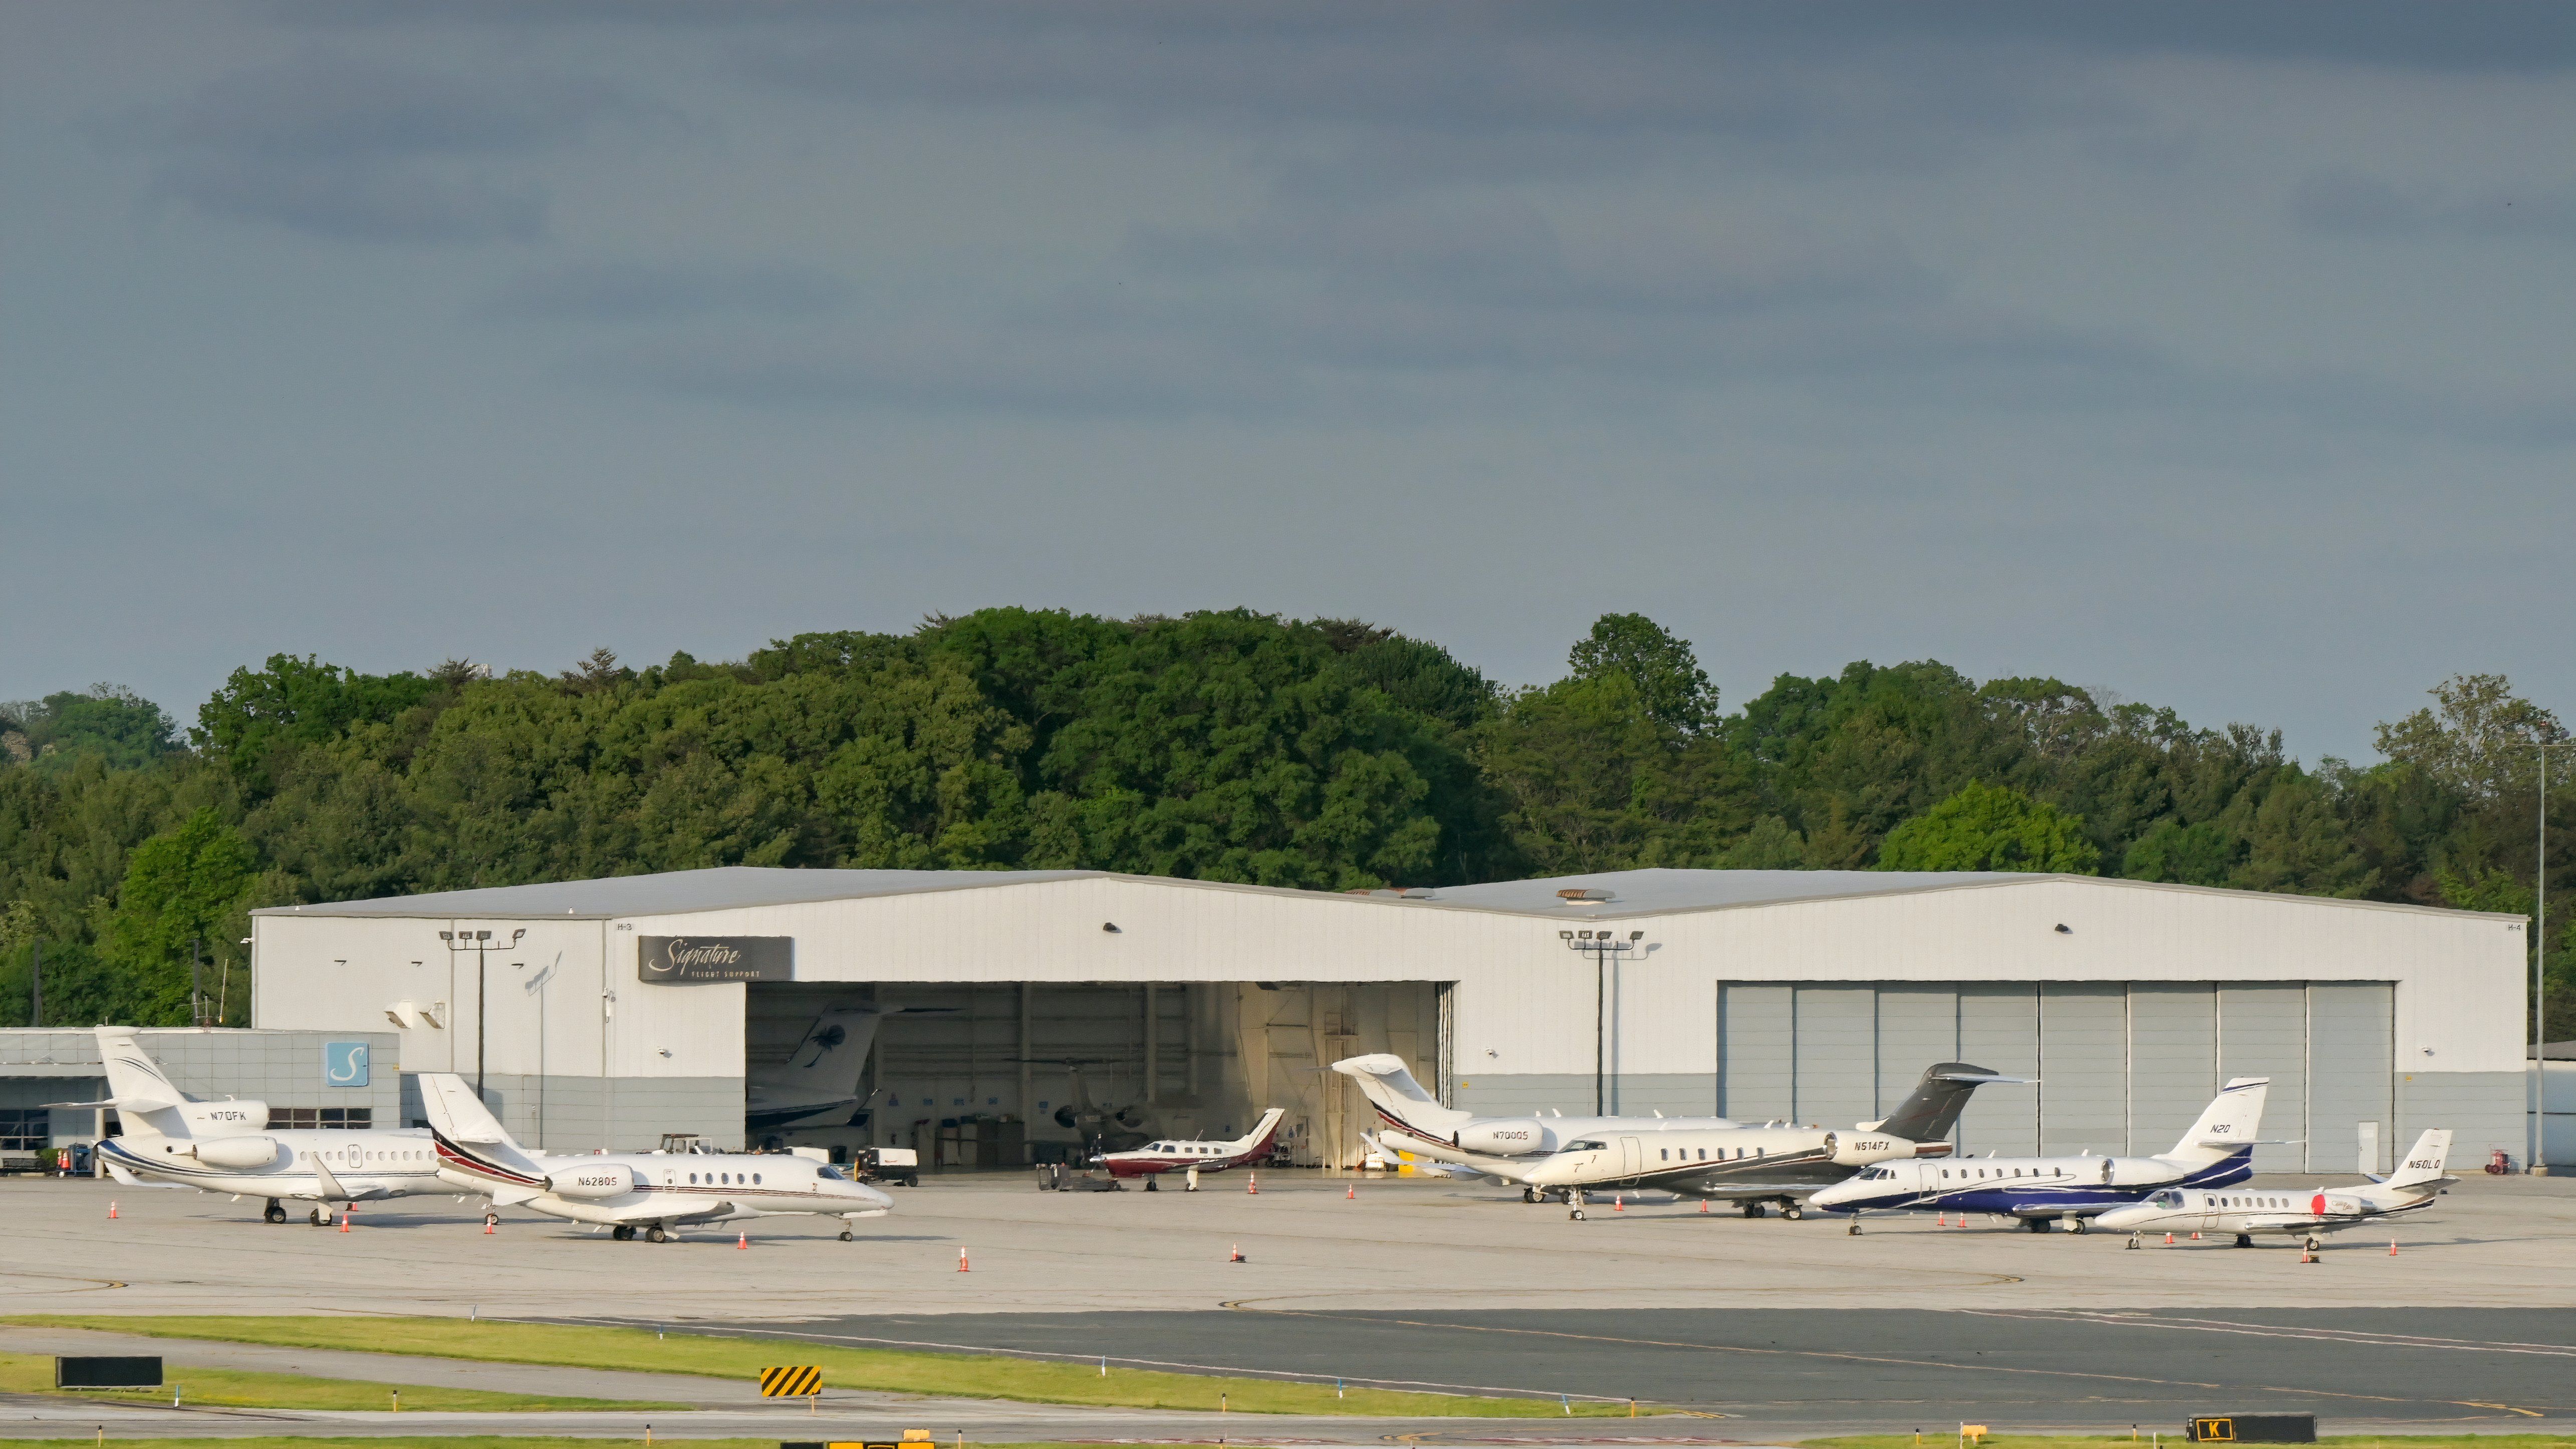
pixel 364 150
pixel 2349 203
pixel 613 291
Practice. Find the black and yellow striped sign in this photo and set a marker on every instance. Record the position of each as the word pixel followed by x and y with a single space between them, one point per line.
pixel 793 1382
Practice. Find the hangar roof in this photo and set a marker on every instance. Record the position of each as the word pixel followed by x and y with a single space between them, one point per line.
pixel 1614 893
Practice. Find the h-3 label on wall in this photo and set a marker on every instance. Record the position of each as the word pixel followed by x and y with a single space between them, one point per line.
pixel 682 960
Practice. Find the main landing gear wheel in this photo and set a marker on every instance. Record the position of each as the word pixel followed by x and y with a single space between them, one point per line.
pixel 847 1235
pixel 1793 1211
pixel 321 1217
pixel 273 1212
pixel 2080 1225
pixel 2244 1240
pixel 2316 1245
pixel 654 1234
pixel 1753 1210
pixel 623 1232
pixel 1530 1194
pixel 2034 1225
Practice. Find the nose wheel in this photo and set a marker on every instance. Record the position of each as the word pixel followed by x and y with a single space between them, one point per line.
pixel 847 1235
pixel 1793 1211
pixel 273 1213
pixel 654 1234
pixel 1575 1200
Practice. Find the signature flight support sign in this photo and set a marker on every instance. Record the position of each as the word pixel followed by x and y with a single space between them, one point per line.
pixel 688 960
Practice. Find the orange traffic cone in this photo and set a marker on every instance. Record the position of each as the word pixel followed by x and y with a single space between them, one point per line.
pixel 1236 1256
pixel 742 1239
pixel 2168 1240
pixel 1252 1183
pixel 1618 1203
pixel 961 1260
pixel 2195 1237
pixel 1352 1192
pixel 487 1227
pixel 1703 1205
pixel 1940 1220
pixel 2392 1247
pixel 344 1221
pixel 111 1207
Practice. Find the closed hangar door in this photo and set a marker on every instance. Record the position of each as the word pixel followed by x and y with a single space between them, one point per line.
pixel 2120 1068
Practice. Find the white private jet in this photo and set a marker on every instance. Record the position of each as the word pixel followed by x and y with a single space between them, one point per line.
pixel 1158 1157
pixel 2218 1151
pixel 627 1191
pixel 1775 1162
pixel 2307 1215
pixel 173 1139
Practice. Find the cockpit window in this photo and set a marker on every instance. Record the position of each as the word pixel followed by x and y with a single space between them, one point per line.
pixel 1588 1145
pixel 2168 1198
pixel 828 1172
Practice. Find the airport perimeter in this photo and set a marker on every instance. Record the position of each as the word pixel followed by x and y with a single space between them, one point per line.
pixel 1781 1329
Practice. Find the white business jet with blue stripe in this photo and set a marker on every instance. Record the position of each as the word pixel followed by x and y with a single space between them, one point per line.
pixel 2308 1215
pixel 172 1139
pixel 631 1192
pixel 2218 1151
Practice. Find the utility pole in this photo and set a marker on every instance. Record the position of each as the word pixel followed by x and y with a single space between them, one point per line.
pixel 1601 947
pixel 480 943
pixel 2539 1165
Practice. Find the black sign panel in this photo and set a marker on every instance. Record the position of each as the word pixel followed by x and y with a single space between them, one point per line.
pixel 107 1373
pixel 684 960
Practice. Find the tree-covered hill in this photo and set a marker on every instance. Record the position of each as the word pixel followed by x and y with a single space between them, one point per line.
pixel 1321 754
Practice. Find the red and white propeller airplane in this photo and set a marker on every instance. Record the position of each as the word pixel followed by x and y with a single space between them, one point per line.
pixel 1168 1156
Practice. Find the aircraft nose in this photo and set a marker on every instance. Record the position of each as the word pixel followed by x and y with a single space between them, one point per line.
pixel 1554 1170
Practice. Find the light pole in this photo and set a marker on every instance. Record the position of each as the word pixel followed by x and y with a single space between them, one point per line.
pixel 478 942
pixel 1601 946
pixel 536 986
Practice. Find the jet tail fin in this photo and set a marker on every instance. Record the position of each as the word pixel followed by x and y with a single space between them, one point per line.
pixel 2228 1125
pixel 471 1141
pixel 137 1086
pixel 1258 1139
pixel 1933 1108
pixel 1390 1087
pixel 2427 1163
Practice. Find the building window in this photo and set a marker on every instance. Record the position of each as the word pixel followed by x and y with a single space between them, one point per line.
pixel 25 1129
pixel 286 1119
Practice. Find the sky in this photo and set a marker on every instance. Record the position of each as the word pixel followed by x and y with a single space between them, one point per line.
pixel 2211 355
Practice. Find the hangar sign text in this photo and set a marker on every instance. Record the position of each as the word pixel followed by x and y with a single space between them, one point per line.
pixel 684 959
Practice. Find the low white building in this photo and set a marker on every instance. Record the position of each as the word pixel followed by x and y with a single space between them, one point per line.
pixel 1817 996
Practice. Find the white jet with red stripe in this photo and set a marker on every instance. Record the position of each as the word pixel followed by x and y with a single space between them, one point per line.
pixel 2244 1211
pixel 649 1193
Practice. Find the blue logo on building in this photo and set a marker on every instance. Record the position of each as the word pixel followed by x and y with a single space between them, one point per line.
pixel 344 1064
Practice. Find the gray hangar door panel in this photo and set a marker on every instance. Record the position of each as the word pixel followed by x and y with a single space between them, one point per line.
pixel 1837 1054
pixel 1918 1027
pixel 2173 1060
pixel 2263 1032
pixel 1757 1052
pixel 2083 1073
pixel 1999 1030
pixel 2351 1072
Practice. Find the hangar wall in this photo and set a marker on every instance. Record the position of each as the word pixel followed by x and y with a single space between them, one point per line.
pixel 1512 1023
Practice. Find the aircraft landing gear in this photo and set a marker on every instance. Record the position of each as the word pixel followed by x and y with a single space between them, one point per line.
pixel 2034 1225
pixel 2244 1240
pixel 623 1232
pixel 847 1235
pixel 321 1217
pixel 654 1234
pixel 1854 1229
pixel 2316 1244
pixel 1576 1199
pixel 1753 1209
pixel 1793 1211
pixel 2079 1225
pixel 2134 1244
pixel 273 1213
pixel 1531 1194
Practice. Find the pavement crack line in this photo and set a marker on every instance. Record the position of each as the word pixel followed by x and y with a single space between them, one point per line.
pixel 1845 1356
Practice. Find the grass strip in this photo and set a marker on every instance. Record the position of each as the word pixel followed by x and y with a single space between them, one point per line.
pixel 1945 1438
pixel 22 1373
pixel 904 1371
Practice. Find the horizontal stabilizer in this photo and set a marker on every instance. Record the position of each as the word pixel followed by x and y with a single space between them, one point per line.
pixel 123 1104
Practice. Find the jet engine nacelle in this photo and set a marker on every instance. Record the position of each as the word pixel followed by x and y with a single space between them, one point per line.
pixel 238 1152
pixel 1504 1136
pixel 614 1179
pixel 1862 1149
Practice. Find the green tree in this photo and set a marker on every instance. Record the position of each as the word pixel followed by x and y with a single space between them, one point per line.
pixel 188 884
pixel 107 720
pixel 2206 854
pixel 1990 827
pixel 1663 669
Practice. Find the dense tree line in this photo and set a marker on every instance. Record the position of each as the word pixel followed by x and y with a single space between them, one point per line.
pixel 1321 754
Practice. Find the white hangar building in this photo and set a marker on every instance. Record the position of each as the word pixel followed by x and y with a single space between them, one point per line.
pixel 1815 996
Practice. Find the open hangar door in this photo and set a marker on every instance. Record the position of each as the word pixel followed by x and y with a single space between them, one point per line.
pixel 1002 1074
pixel 2121 1067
